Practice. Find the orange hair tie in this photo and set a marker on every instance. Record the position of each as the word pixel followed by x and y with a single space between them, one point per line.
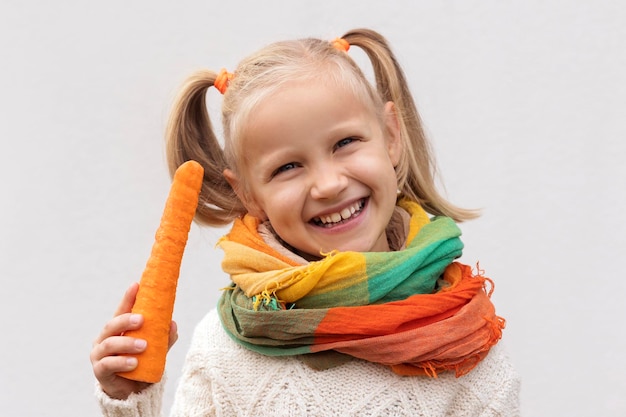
pixel 341 44
pixel 222 80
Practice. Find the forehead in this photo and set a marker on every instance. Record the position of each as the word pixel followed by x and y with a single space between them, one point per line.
pixel 307 107
pixel 306 99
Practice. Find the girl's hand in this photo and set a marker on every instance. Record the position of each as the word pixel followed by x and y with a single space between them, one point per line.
pixel 107 355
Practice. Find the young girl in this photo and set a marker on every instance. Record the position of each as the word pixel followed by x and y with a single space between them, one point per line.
pixel 346 298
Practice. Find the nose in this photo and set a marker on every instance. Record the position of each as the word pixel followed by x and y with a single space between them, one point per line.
pixel 328 181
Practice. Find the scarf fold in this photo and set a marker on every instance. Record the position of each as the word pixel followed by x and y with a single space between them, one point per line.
pixel 415 310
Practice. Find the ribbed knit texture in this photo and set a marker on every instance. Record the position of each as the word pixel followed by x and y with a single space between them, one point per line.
pixel 221 378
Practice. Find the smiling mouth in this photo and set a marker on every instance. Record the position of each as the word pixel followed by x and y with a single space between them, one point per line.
pixel 330 220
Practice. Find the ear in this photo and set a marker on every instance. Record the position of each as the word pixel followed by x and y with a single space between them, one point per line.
pixel 393 135
pixel 248 201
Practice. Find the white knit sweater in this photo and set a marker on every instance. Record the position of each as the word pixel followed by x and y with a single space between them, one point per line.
pixel 221 378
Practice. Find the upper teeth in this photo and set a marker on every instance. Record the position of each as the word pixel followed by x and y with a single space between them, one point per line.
pixel 342 215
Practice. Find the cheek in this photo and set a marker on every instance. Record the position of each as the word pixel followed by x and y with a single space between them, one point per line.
pixel 282 203
pixel 378 168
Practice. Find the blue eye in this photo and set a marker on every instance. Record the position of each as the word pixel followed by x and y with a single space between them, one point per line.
pixel 284 168
pixel 344 142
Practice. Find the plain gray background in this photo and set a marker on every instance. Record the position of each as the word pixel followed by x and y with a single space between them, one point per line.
pixel 523 100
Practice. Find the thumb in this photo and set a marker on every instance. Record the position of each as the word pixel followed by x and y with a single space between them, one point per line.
pixel 173 337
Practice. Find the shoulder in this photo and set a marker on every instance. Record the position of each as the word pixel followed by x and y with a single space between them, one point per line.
pixel 496 369
pixel 495 383
pixel 212 347
pixel 209 325
pixel 209 335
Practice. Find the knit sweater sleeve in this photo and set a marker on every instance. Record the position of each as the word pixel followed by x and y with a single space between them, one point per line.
pixel 504 400
pixel 193 394
pixel 147 403
pixel 495 384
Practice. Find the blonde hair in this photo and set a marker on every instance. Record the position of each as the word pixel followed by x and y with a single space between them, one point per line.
pixel 190 134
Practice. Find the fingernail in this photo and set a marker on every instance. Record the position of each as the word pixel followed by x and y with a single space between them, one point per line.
pixel 131 362
pixel 135 319
pixel 140 343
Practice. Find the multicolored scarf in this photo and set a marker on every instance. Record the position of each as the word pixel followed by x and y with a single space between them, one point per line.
pixel 415 310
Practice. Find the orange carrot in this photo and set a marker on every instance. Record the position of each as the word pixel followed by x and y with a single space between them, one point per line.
pixel 157 287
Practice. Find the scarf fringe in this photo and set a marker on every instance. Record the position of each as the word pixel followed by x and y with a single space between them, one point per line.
pixel 298 284
pixel 432 368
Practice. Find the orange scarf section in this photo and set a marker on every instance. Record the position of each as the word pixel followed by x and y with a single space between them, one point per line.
pixel 451 330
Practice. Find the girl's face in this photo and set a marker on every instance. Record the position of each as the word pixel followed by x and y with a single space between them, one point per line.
pixel 320 167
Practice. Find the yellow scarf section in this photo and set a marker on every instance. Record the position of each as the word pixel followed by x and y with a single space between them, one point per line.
pixel 261 271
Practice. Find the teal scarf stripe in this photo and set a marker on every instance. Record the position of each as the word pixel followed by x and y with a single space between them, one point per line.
pixel 397 275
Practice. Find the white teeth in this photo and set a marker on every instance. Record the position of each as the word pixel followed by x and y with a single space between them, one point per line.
pixel 346 213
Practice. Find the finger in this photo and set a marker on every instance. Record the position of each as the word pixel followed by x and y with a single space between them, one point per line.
pixel 128 300
pixel 117 345
pixel 173 336
pixel 118 325
pixel 111 365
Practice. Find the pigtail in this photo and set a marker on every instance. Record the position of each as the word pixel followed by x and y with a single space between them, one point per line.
pixel 190 135
pixel 417 168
